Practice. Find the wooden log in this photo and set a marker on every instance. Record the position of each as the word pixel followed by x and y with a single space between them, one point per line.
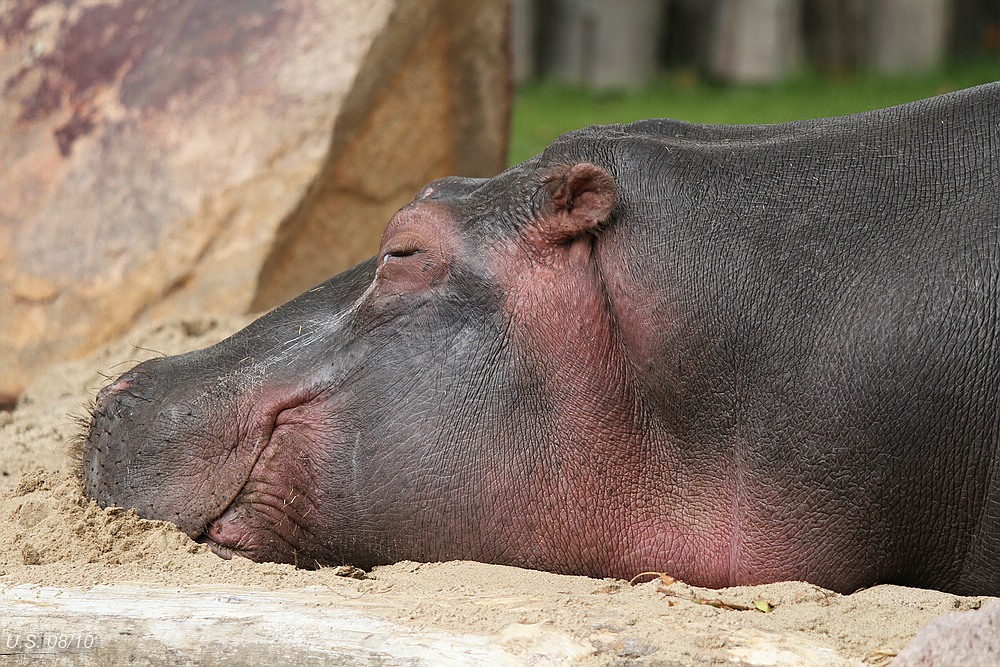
pixel 129 624
pixel 386 622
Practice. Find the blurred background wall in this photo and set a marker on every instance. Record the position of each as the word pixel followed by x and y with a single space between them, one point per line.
pixel 623 44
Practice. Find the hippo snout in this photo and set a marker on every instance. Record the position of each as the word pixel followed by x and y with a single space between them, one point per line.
pixel 223 459
pixel 112 471
pixel 106 449
pixel 148 440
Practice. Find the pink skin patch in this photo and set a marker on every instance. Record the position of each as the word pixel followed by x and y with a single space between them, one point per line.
pixel 225 531
pixel 116 387
pixel 594 440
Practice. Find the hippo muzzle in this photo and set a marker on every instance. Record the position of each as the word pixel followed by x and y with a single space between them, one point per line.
pixel 216 442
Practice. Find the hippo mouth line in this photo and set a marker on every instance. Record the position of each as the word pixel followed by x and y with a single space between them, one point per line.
pixel 217 549
pixel 227 551
pixel 228 548
pixel 203 537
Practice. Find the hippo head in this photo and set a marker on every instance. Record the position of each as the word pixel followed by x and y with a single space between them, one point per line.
pixel 440 400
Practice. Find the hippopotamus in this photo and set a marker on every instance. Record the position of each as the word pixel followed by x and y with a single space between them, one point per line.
pixel 734 354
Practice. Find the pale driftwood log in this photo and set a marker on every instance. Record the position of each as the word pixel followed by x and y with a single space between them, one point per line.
pixel 233 625
pixel 128 624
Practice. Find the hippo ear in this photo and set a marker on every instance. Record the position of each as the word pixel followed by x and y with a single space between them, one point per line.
pixel 581 198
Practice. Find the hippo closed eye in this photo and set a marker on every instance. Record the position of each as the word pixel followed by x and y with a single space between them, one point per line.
pixel 734 354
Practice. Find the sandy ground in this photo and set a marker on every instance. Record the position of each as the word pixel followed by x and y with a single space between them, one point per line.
pixel 50 535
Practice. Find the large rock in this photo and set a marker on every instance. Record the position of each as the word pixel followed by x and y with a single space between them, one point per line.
pixel 191 157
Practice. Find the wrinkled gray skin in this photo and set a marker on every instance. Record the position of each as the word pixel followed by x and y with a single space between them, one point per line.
pixel 734 354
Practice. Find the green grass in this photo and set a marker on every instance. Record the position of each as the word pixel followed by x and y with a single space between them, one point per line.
pixel 544 110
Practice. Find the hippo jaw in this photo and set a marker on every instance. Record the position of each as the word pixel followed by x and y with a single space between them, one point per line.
pixel 266 519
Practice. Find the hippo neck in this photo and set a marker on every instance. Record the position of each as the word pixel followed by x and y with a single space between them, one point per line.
pixel 562 316
pixel 693 527
pixel 588 430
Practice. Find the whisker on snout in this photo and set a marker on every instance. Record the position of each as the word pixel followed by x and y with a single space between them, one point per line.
pixel 158 353
pixel 78 442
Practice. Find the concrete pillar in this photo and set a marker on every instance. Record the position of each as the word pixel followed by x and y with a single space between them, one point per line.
pixel 907 35
pixel 755 41
pixel 606 45
pixel 522 39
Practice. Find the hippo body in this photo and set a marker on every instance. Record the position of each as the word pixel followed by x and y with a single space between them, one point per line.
pixel 734 354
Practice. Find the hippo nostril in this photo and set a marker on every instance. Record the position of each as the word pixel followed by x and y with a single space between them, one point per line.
pixel 109 391
pixel 136 382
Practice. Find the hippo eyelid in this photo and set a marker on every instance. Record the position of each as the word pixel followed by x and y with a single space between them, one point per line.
pixel 403 252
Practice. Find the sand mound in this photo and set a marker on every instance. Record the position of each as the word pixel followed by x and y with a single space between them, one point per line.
pixel 53 522
pixel 51 534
